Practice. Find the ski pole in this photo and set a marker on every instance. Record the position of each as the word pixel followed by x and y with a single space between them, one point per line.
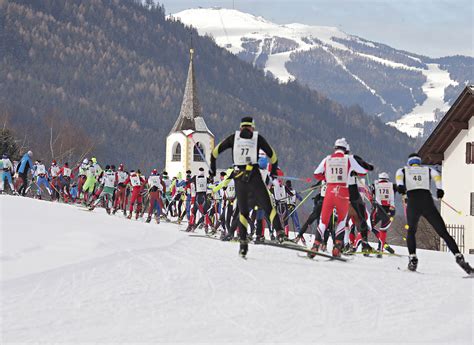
pixel 301 203
pixel 452 208
pixel 307 179
pixel 313 187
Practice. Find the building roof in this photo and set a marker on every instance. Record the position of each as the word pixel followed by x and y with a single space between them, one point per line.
pixel 190 117
pixel 456 119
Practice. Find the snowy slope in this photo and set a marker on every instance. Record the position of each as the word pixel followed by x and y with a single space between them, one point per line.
pixel 73 276
pixel 257 39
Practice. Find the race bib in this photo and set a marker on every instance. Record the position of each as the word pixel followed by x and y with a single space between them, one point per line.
pixel 40 170
pixel 122 176
pixel 67 172
pixel 109 180
pixel 383 192
pixel 417 178
pixel 154 181
pixel 135 181
pixel 201 184
pixel 336 169
pixel 245 150
pixel 230 191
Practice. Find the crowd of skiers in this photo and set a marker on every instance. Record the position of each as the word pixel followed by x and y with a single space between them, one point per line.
pixel 250 197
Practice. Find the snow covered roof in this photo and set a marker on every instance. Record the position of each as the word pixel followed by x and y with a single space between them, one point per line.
pixel 190 117
pixel 456 119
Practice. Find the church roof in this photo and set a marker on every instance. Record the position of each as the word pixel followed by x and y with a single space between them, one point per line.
pixel 190 117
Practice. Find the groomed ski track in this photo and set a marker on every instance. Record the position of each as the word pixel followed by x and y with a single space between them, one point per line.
pixel 73 277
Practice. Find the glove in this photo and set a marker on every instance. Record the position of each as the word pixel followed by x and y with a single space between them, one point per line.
pixel 440 193
pixel 401 189
pixel 212 173
pixel 392 212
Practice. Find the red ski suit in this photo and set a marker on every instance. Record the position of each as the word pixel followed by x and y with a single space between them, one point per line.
pixel 336 170
pixel 138 183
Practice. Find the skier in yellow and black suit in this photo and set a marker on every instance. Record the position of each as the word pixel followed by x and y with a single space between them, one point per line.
pixel 245 144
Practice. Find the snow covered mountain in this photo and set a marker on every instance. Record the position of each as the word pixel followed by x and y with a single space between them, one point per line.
pixel 405 90
pixel 69 276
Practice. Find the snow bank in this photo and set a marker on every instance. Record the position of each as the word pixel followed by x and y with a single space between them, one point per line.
pixel 73 276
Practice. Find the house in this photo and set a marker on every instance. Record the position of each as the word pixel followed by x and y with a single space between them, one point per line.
pixel 451 145
pixel 189 143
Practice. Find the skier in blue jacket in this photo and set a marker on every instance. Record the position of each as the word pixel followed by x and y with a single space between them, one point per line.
pixel 26 164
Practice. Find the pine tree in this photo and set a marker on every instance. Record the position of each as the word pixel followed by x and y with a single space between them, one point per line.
pixel 8 144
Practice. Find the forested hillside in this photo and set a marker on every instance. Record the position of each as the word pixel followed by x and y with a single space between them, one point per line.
pixel 111 73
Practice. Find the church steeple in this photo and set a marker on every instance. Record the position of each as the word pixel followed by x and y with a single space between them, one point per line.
pixel 190 142
pixel 190 107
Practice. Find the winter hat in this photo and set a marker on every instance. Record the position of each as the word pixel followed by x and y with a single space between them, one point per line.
pixel 383 176
pixel 247 121
pixel 30 153
pixel 341 143
pixel 107 167
pixel 288 183
pixel 94 160
pixel 85 161
pixel 154 172
pixel 5 156
pixel 414 159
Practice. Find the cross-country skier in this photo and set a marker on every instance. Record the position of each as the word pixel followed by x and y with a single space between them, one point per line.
pixel 245 145
pixel 414 181
pixel 293 196
pixel 156 188
pixel 42 178
pixel 383 208
pixel 199 202
pixel 65 176
pixel 6 170
pixel 137 182
pixel 25 165
pixel 82 176
pixel 336 170
pixel 120 202
pixel 315 214
pixel 108 181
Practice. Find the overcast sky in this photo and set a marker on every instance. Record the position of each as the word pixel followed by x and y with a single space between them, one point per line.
pixel 430 27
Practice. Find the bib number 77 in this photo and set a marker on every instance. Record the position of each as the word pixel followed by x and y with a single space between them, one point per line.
pixel 245 151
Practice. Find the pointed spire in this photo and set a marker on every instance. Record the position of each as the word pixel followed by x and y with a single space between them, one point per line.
pixel 190 108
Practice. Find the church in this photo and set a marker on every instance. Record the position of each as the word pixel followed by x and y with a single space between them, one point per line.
pixel 189 143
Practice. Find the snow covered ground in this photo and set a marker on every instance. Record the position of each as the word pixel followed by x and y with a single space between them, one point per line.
pixel 70 276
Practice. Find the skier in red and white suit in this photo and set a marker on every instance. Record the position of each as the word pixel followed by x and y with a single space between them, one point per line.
pixel 138 183
pixel 120 202
pixel 336 169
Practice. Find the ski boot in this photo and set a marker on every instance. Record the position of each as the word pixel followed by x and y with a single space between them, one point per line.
pixel 324 247
pixel 244 247
pixel 413 262
pixel 464 265
pixel 281 236
pixel 190 228
pixel 206 229
pixel 114 211
pixel 137 214
pixel 314 248
pixel 129 216
pixel 366 249
pixel 299 238
pixel 125 213
pixel 107 210
pixel 336 249
pixel 91 208
pixel 148 219
pixel 157 220
pixel 272 236
pixel 259 239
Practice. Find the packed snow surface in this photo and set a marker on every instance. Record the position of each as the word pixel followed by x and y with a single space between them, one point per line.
pixel 229 27
pixel 73 276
